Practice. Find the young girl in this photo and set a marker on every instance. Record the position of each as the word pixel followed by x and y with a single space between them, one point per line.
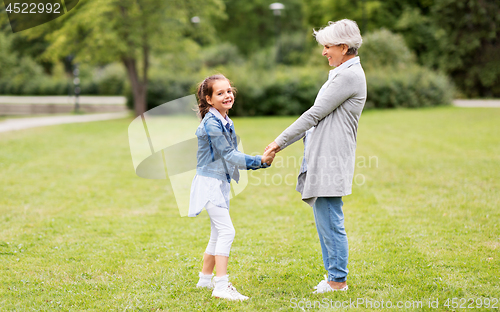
pixel 218 162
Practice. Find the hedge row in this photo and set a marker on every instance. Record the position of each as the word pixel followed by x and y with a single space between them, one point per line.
pixel 284 92
pixel 45 85
pixel 292 91
pixel 413 87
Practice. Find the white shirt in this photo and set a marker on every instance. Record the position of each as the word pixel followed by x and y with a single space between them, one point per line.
pixel 206 189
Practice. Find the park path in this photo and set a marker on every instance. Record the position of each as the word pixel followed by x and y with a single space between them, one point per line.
pixel 476 103
pixel 25 123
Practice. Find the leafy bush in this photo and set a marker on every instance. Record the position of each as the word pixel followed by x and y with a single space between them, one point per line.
pixel 28 79
pixel 44 86
pixel 47 85
pixel 283 91
pixel 164 89
pixel 414 87
pixel 393 77
pixel 109 81
pixel 292 90
pixel 294 48
pixel 221 54
pixel 382 49
pixel 37 85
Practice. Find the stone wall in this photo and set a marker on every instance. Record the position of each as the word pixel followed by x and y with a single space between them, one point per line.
pixel 33 105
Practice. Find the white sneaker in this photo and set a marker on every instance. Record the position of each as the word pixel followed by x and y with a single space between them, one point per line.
pixel 325 287
pixel 229 293
pixel 205 282
pixel 325 281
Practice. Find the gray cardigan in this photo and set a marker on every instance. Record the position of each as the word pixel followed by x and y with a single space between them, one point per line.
pixel 331 147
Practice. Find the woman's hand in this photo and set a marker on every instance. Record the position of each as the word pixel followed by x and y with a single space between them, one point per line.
pixel 273 147
pixel 268 157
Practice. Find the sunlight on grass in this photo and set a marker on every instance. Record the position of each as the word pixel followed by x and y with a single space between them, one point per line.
pixel 79 231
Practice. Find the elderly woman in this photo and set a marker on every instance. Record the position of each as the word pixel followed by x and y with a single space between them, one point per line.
pixel 329 129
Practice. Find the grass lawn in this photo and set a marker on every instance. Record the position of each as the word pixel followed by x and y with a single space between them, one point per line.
pixel 80 231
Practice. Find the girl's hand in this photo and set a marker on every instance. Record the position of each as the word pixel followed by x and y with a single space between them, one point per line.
pixel 268 157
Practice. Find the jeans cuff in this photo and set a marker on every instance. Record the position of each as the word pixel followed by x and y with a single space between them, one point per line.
pixel 338 280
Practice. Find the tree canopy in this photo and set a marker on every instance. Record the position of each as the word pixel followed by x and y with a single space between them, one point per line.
pixel 127 31
pixel 457 37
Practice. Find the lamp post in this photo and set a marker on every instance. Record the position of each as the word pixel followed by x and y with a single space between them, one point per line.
pixel 76 82
pixel 196 22
pixel 276 7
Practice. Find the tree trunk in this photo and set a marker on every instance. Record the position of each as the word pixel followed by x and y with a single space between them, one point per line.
pixel 139 88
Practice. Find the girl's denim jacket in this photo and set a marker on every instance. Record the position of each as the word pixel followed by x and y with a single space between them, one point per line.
pixel 218 156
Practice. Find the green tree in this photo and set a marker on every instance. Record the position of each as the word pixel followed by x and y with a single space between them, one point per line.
pixel 128 31
pixel 15 68
pixel 471 52
pixel 459 37
pixel 364 12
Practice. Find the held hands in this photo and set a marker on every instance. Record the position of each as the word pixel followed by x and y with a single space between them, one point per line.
pixel 268 157
pixel 270 152
pixel 273 147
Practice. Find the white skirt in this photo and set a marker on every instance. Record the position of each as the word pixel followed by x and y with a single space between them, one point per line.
pixel 206 189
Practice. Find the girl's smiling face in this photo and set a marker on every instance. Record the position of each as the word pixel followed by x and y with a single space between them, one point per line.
pixel 222 98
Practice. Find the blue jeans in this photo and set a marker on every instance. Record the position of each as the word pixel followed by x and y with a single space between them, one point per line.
pixel 332 237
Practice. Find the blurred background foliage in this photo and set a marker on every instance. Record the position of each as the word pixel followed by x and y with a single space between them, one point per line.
pixel 416 53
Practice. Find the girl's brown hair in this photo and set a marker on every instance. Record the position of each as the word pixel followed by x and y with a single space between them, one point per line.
pixel 206 88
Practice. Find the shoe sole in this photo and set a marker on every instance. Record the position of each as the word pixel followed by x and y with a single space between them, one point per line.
pixel 341 289
pixel 232 299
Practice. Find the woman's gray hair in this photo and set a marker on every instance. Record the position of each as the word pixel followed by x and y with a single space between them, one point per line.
pixel 344 31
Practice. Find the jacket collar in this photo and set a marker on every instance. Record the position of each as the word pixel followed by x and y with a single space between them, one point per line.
pixel 336 70
pixel 217 114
